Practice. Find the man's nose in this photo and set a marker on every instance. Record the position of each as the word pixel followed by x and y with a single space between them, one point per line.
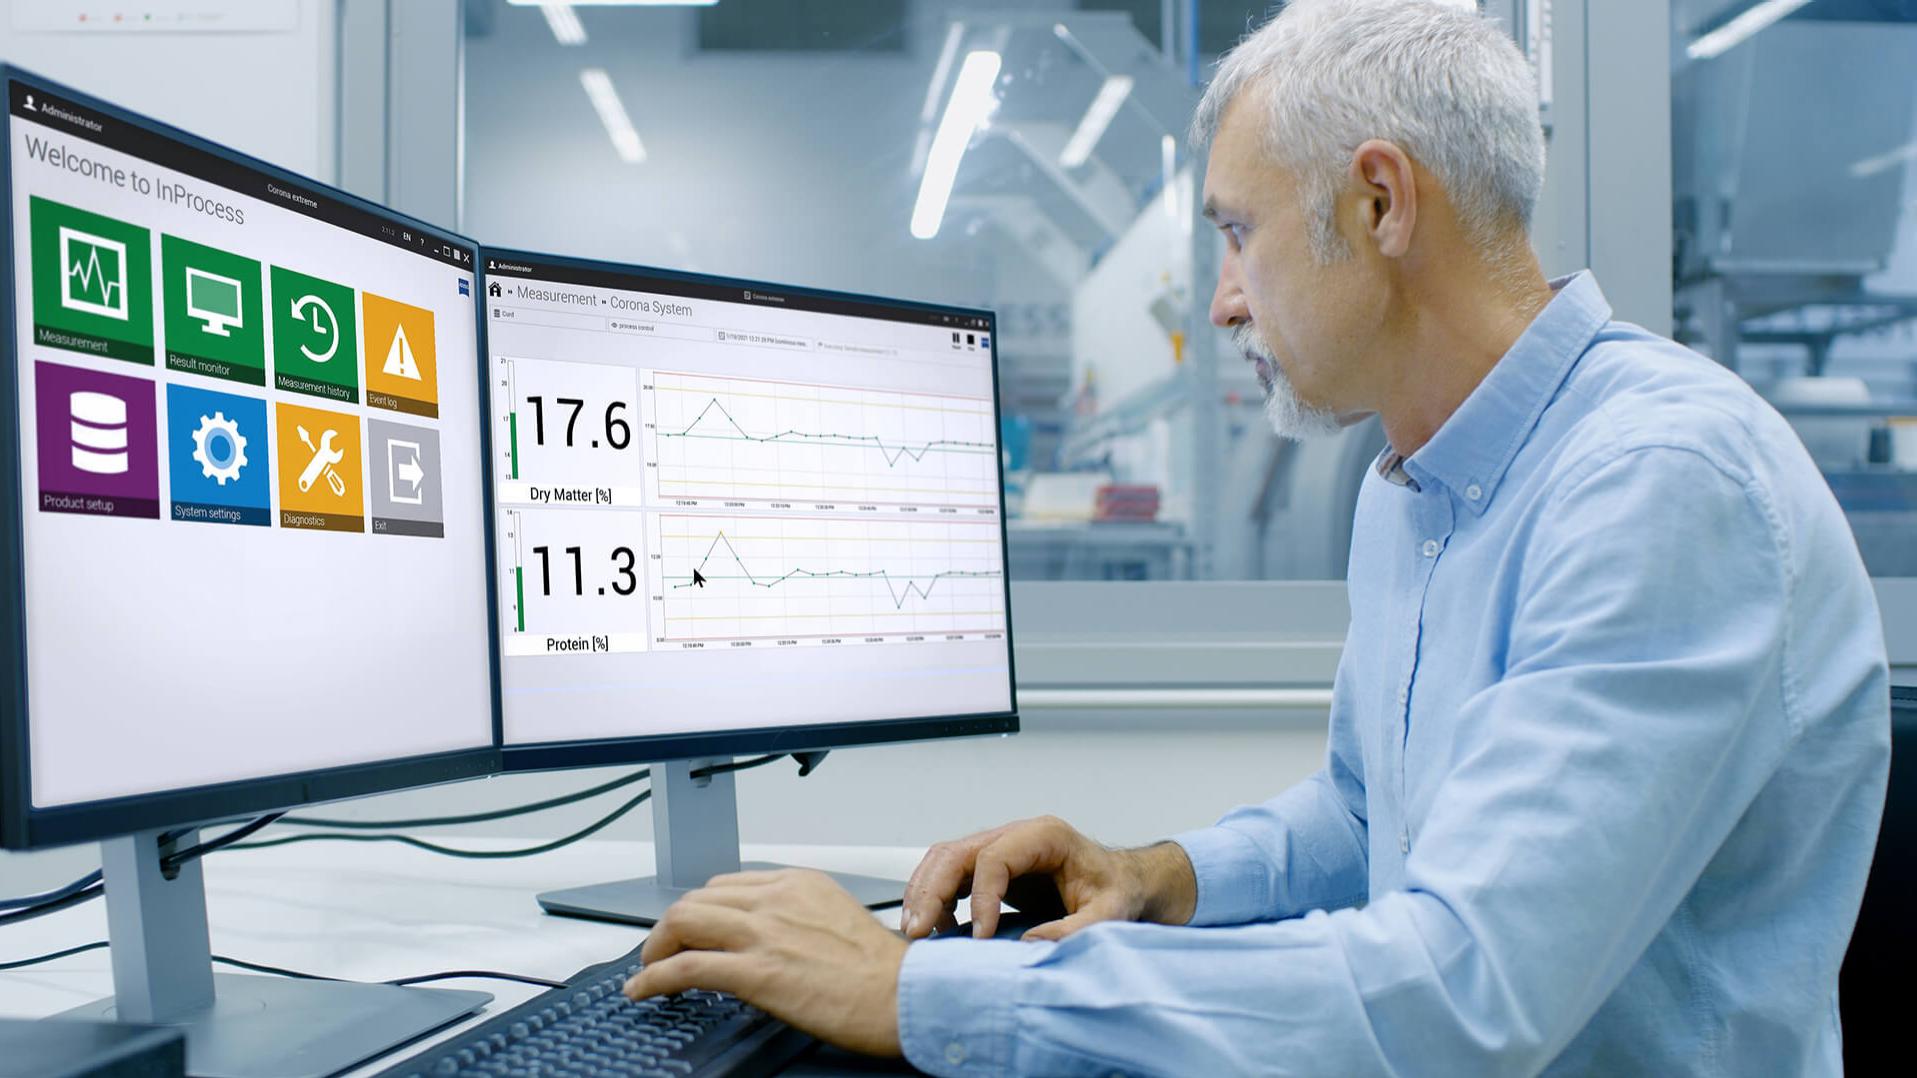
pixel 1228 306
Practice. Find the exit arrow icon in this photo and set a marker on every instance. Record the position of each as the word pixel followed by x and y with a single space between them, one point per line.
pixel 411 472
pixel 698 578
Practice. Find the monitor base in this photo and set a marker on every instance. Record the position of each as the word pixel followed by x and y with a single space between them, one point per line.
pixel 643 901
pixel 695 832
pixel 267 1027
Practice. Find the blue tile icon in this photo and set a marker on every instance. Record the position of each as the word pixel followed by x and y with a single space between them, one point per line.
pixel 216 450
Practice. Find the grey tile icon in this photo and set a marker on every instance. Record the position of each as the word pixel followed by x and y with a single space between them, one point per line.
pixel 403 474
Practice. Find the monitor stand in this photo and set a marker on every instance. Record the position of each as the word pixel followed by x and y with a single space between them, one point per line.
pixel 695 832
pixel 240 1026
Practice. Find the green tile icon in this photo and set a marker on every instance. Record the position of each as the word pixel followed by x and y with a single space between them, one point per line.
pixel 315 337
pixel 215 317
pixel 92 282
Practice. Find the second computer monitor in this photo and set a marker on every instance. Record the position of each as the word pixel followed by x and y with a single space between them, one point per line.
pixel 737 517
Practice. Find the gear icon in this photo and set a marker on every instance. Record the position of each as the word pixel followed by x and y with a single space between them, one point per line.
pixel 219 447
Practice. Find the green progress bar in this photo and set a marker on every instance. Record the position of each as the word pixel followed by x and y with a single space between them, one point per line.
pixel 512 435
pixel 519 585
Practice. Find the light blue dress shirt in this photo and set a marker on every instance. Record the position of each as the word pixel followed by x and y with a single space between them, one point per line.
pixel 1607 757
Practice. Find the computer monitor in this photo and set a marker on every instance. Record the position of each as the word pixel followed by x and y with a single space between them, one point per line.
pixel 737 517
pixel 214 299
pixel 244 549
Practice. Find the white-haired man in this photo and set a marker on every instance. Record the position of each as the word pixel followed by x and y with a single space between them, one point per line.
pixel 1609 738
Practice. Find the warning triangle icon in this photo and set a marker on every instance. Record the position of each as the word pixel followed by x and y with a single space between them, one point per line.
pixel 399 357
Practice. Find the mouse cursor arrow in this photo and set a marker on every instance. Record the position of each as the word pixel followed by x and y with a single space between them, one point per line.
pixel 698 578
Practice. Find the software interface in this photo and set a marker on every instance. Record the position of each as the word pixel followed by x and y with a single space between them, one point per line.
pixel 249 460
pixel 728 507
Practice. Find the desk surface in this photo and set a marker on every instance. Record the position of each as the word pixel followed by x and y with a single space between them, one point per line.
pixel 372 912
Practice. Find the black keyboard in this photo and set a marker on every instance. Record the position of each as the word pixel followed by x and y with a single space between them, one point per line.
pixel 588 1030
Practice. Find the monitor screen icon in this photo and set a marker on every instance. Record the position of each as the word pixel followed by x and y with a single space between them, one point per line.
pixel 214 300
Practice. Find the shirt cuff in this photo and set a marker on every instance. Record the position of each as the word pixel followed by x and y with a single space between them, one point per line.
pixel 1233 874
pixel 958 1003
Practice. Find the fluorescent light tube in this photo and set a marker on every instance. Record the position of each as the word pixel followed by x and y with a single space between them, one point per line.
pixel 1091 126
pixel 612 113
pixel 1884 162
pixel 969 106
pixel 948 53
pixel 564 23
pixel 1733 33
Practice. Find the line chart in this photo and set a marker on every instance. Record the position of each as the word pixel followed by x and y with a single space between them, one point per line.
pixel 788 578
pixel 892 453
pixel 799 445
pixel 912 586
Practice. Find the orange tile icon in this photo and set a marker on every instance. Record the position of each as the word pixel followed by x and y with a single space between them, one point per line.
pixel 320 469
pixel 401 371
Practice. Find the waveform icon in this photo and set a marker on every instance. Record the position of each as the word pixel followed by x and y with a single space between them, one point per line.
pixel 93 274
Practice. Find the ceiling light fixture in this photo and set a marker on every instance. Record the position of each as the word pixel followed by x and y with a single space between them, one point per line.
pixel 612 113
pixel 1091 126
pixel 969 107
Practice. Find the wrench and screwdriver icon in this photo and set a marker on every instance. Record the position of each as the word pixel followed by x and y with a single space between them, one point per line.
pixel 324 457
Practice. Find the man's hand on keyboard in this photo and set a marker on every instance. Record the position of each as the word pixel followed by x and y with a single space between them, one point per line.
pixel 792 943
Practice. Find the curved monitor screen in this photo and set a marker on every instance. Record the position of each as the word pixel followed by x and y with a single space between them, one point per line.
pixel 725 507
pixel 251 509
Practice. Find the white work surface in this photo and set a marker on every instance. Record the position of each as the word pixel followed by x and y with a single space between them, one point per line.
pixel 377 911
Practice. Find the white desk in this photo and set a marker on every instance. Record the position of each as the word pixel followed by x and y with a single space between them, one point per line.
pixel 375 911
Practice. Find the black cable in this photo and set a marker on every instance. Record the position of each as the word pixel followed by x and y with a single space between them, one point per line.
pixel 74 899
pixel 37 959
pixel 280 971
pixel 92 885
pixel 530 851
pixel 430 847
pixel 81 884
pixel 485 974
pixel 537 806
pixel 738 765
pixel 477 817
pixel 54 895
pixel 171 863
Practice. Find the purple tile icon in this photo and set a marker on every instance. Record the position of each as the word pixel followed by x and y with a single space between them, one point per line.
pixel 98 442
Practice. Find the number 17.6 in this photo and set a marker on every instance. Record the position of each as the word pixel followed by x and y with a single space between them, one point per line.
pixel 618 431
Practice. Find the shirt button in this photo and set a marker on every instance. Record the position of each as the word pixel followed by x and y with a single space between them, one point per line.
pixel 1430 548
pixel 1404 842
pixel 1473 492
pixel 955 1053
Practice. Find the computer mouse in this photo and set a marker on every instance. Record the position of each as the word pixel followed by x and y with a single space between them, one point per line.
pixel 1012 924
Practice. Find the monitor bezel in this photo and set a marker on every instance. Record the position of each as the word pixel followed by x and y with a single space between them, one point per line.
pixel 811 737
pixel 23 825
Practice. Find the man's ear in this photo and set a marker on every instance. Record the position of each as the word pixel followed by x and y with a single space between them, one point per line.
pixel 1387 190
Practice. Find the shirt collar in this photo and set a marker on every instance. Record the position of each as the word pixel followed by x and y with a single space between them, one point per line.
pixel 1472 450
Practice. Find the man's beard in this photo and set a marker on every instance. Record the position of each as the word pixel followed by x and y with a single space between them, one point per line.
pixel 1289 415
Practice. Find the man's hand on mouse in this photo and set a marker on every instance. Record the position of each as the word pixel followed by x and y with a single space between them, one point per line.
pixel 792 943
pixel 1093 882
